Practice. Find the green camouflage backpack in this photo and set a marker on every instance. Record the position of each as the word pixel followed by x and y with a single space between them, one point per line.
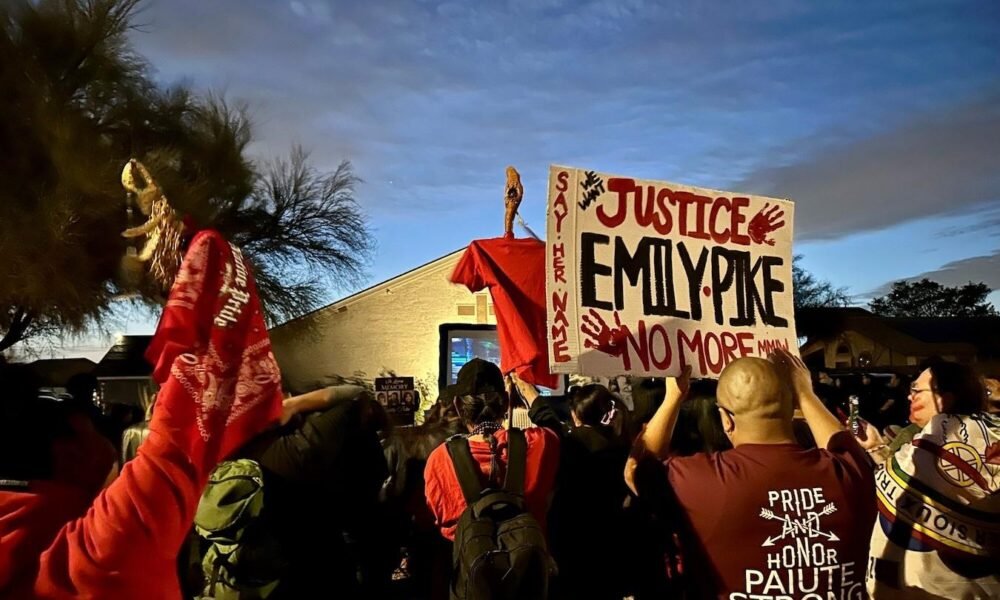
pixel 243 560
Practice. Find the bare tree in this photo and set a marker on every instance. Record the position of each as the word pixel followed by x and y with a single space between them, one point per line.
pixel 811 292
pixel 305 232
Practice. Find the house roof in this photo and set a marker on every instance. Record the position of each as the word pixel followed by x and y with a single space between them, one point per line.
pixel 57 371
pixel 414 273
pixel 914 336
pixel 981 332
pixel 126 358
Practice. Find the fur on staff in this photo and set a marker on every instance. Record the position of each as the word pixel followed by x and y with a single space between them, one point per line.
pixel 163 228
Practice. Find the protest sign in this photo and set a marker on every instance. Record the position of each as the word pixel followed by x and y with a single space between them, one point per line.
pixel 399 397
pixel 645 277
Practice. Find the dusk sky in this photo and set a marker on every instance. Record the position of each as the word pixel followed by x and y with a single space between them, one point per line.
pixel 880 120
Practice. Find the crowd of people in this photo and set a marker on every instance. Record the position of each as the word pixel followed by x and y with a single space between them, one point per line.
pixel 749 487
pixel 761 485
pixel 883 398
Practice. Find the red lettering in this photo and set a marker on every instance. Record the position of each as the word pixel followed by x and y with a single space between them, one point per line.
pixel 713 350
pixel 683 200
pixel 700 230
pixel 661 203
pixel 766 347
pixel 640 346
pixel 558 263
pixel 623 187
pixel 560 203
pixel 660 364
pixel 744 339
pixel 696 216
pixel 738 218
pixel 711 341
pixel 560 350
pixel 563 179
pixel 719 237
pixel 559 301
pixel 645 212
pixel 729 346
pixel 694 345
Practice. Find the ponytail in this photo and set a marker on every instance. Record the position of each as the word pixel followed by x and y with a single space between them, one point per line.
pixel 594 405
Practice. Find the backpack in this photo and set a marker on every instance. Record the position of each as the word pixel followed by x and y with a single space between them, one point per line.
pixel 500 550
pixel 243 561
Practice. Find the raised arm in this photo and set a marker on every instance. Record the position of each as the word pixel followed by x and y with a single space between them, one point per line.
pixel 540 409
pixel 320 399
pixel 220 386
pixel 654 440
pixel 822 423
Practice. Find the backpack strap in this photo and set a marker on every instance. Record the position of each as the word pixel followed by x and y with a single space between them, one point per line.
pixel 517 458
pixel 466 468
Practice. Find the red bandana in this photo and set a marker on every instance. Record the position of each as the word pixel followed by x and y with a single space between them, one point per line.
pixel 211 353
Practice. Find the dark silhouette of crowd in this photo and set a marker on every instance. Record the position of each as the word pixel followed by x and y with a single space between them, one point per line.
pixel 751 486
pixel 883 398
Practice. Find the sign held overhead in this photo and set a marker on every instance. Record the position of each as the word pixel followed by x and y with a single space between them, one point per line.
pixel 646 277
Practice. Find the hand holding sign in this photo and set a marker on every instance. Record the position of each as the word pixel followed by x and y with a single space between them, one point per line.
pixel 678 387
pixel 795 372
pixel 764 222
pixel 601 336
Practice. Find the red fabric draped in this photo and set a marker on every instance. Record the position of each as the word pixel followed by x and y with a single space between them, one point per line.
pixel 220 385
pixel 514 271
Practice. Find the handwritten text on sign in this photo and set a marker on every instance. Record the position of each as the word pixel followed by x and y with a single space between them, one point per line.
pixel 645 277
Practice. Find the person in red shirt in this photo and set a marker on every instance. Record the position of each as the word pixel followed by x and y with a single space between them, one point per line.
pixel 766 519
pixel 219 386
pixel 481 401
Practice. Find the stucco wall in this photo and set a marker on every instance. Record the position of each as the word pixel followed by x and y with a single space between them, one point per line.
pixel 392 327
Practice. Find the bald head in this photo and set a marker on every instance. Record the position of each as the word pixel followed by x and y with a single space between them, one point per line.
pixel 752 388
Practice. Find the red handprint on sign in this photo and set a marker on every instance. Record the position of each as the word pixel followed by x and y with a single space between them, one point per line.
pixel 770 218
pixel 602 337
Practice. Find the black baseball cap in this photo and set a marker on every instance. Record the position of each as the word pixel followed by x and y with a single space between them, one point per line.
pixel 477 376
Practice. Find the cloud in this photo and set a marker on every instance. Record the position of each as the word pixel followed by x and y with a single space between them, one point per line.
pixel 975 269
pixel 431 100
pixel 938 163
pixel 984 223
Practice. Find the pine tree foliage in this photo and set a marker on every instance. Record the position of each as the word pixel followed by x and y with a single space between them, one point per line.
pixel 77 102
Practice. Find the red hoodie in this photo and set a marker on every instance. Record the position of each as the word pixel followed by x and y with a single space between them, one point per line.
pixel 219 387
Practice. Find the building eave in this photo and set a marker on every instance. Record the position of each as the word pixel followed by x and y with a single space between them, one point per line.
pixel 438 264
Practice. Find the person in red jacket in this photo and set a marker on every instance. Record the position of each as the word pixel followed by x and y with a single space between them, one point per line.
pixel 481 401
pixel 219 386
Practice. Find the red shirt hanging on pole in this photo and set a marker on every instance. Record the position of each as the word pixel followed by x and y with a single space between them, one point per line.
pixel 514 271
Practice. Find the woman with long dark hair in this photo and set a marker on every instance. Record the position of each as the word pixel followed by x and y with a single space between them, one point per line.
pixel 587 525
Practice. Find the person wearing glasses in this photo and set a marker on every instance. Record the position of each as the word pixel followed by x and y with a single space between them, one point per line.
pixel 938 532
pixel 956 389
pixel 768 518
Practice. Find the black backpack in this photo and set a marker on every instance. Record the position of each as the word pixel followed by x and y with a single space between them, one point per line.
pixel 500 550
